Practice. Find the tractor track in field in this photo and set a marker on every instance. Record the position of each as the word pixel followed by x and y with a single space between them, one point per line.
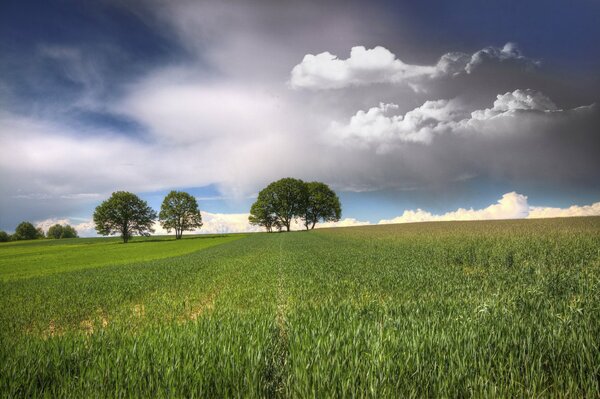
pixel 281 349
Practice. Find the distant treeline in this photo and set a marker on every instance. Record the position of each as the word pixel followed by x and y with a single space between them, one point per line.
pixel 126 214
pixel 27 231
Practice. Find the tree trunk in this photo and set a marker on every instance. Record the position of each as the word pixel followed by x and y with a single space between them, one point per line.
pixel 125 233
pixel 313 225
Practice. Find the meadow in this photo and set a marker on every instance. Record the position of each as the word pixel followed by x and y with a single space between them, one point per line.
pixel 454 309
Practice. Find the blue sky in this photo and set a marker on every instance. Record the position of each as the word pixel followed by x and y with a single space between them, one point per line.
pixel 397 105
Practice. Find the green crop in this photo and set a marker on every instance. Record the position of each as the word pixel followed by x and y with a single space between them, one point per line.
pixel 460 309
pixel 23 259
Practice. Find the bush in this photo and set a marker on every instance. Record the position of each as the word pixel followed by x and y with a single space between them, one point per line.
pixel 4 237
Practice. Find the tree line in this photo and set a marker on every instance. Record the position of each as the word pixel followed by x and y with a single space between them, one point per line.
pixel 126 214
pixel 27 231
pixel 288 199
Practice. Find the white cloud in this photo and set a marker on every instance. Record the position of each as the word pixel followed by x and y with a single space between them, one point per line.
pixel 380 129
pixel 346 222
pixel 377 127
pixel 511 206
pixel 379 65
pixel 536 212
pixel 220 223
pixel 518 100
pixel 84 228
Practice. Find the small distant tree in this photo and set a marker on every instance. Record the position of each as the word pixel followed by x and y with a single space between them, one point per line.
pixel 126 214
pixel 25 231
pixel 69 231
pixel 55 231
pixel 180 212
pixel 59 231
pixel 322 204
pixel 4 237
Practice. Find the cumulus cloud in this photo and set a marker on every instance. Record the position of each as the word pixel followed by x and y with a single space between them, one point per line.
pixel 537 212
pixel 379 128
pixel 84 227
pixel 511 206
pixel 379 65
pixel 518 100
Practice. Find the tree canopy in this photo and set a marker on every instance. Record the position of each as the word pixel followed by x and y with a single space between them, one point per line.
pixel 59 231
pixel 282 201
pixel 322 204
pixel 261 214
pixel 126 214
pixel 26 231
pixel 69 231
pixel 180 212
pixel 55 231
pixel 4 237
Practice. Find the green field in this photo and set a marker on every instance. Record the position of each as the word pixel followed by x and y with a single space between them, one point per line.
pixel 457 309
pixel 21 259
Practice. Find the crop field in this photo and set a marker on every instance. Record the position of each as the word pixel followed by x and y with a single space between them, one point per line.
pixel 455 309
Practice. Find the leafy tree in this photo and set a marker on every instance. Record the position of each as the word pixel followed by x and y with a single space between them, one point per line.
pixel 4 237
pixel 55 231
pixel 179 212
pixel 69 231
pixel 284 199
pixel 322 204
pixel 25 231
pixel 58 231
pixel 261 214
pixel 124 213
pixel 40 233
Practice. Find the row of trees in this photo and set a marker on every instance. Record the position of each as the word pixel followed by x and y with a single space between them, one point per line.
pixel 27 231
pixel 124 213
pixel 127 214
pixel 285 200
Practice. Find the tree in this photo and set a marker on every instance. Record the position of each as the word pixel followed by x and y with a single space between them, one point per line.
pixel 179 212
pixel 69 231
pixel 4 237
pixel 261 213
pixel 322 204
pixel 284 200
pixel 55 231
pixel 26 231
pixel 124 213
pixel 59 231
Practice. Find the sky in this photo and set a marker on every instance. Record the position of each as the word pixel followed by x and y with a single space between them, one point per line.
pixel 410 111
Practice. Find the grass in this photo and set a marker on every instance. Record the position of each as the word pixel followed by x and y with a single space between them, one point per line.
pixel 22 259
pixel 501 309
